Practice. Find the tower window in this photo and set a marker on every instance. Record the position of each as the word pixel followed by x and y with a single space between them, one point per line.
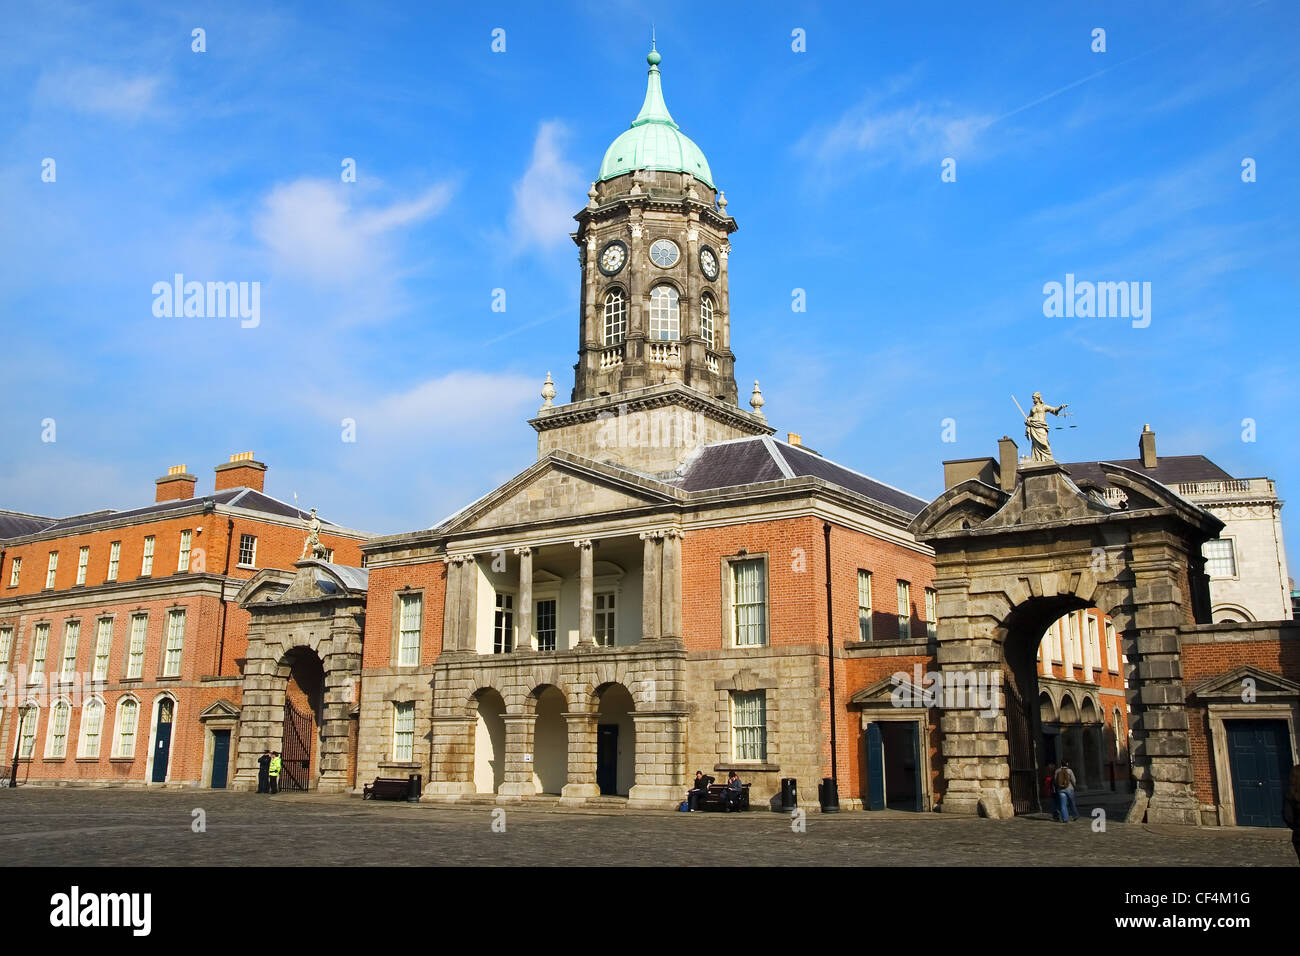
pixel 615 317
pixel 706 319
pixel 665 315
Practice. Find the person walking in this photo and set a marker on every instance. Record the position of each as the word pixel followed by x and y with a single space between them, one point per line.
pixel 1065 792
pixel 263 772
pixel 1291 808
pixel 1049 791
pixel 273 771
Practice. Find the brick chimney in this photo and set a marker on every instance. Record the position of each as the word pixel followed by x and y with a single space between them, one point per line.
pixel 1147 447
pixel 240 472
pixel 176 485
pixel 793 439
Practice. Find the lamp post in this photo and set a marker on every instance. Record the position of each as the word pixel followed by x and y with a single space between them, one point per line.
pixel 18 742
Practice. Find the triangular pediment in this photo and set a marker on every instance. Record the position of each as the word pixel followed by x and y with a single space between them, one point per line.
pixel 562 486
pixel 890 692
pixel 219 710
pixel 1247 684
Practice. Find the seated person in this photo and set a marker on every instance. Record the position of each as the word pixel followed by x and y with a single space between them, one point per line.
pixel 699 788
pixel 734 792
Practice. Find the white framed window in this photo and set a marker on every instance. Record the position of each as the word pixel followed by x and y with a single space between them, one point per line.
pixel 1094 647
pixel 183 562
pixel 1112 648
pixel 71 638
pixel 931 613
pixel 51 568
pixel 15 570
pixel 175 642
pixel 83 562
pixel 503 624
pixel 146 562
pixel 92 724
pixel 546 624
pixel 864 605
pixel 749 602
pixel 410 618
pixel 904 610
pixel 248 550
pixel 114 559
pixel 615 316
pixel 128 715
pixel 749 725
pixel 706 319
pixel 605 620
pixel 135 650
pixel 56 733
pixel 665 314
pixel 1220 558
pixel 40 648
pixel 27 732
pixel 404 731
pixel 6 648
pixel 103 647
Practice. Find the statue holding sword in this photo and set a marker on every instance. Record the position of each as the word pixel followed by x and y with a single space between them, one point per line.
pixel 1036 427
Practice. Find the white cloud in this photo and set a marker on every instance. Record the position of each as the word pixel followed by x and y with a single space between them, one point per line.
pixel 97 90
pixel 467 406
pixel 313 228
pixel 545 197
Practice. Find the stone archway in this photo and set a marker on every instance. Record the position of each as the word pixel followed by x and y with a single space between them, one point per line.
pixel 1009 557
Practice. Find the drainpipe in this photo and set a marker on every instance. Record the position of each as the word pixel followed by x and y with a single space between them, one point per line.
pixel 830 797
pixel 221 647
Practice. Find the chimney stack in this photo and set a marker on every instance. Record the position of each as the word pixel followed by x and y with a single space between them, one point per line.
pixel 1147 447
pixel 793 439
pixel 1008 462
pixel 176 485
pixel 240 472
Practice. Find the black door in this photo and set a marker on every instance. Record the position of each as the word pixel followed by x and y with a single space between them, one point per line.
pixel 1259 754
pixel 220 758
pixel 607 758
pixel 162 747
pixel 875 768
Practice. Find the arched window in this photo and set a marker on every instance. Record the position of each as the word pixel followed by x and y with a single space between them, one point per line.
pixel 92 724
pixel 665 316
pixel 615 317
pixel 706 319
pixel 56 734
pixel 27 732
pixel 128 715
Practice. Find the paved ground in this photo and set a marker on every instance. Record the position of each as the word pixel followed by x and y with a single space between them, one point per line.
pixel 84 827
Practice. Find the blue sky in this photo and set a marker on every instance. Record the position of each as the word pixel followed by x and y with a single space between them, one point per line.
pixel 924 298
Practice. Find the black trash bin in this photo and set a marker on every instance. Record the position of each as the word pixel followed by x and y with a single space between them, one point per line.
pixel 789 793
pixel 413 787
pixel 828 793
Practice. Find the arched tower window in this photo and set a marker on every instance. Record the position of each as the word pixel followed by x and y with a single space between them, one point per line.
pixel 615 317
pixel 706 319
pixel 665 315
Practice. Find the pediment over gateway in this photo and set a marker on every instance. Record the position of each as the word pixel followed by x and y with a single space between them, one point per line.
pixel 559 487
pixel 1247 682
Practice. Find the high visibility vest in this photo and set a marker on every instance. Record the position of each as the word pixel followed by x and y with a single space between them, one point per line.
pixel 275 767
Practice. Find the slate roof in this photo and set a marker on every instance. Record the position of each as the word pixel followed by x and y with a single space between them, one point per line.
pixel 1169 470
pixel 14 524
pixel 750 460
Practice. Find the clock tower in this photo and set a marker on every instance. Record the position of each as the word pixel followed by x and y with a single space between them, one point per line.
pixel 654 315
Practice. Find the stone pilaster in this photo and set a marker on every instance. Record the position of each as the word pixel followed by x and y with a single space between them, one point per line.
pixel 467 606
pixel 581 783
pixel 650 584
pixel 518 780
pixel 671 606
pixel 660 760
pixel 451 769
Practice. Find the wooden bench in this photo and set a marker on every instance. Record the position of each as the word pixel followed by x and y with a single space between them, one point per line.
pixel 386 788
pixel 715 798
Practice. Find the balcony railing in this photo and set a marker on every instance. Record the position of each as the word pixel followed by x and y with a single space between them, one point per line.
pixel 665 353
pixel 1223 489
pixel 611 357
pixel 711 362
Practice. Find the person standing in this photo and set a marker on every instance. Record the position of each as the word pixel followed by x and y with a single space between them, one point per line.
pixel 1049 791
pixel 263 772
pixel 273 771
pixel 1065 792
pixel 1291 808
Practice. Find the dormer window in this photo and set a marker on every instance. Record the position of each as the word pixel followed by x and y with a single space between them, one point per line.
pixel 665 315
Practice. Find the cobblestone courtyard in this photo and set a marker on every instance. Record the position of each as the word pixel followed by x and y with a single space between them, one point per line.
pixel 85 827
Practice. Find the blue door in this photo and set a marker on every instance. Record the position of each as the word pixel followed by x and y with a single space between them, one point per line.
pixel 1259 754
pixel 220 758
pixel 875 768
pixel 162 747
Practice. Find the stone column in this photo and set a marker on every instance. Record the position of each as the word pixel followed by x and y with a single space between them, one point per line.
pixel 261 715
pixel 451 767
pixel 659 781
pixel 671 601
pixel 524 618
pixel 650 584
pixel 581 782
pixel 586 598
pixel 467 591
pixel 342 664
pixel 518 782
pixel 451 604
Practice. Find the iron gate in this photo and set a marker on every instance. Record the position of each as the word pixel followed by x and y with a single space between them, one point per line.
pixel 1020 754
pixel 295 768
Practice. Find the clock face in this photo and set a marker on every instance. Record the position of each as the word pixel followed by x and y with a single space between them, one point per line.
pixel 708 263
pixel 663 253
pixel 612 257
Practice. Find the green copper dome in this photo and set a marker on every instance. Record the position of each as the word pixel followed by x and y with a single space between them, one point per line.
pixel 654 141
